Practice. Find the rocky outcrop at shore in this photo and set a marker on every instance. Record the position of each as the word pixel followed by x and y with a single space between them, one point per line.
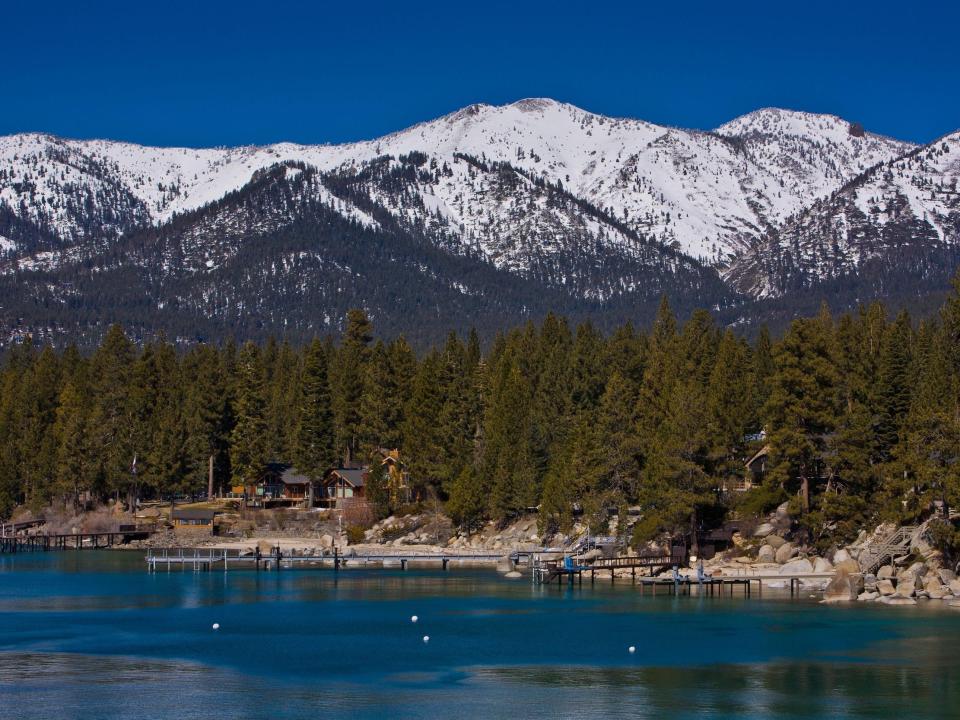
pixel 920 581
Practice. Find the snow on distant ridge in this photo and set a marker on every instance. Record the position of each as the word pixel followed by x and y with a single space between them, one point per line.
pixel 709 194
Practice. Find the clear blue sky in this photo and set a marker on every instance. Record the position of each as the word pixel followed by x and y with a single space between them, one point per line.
pixel 212 73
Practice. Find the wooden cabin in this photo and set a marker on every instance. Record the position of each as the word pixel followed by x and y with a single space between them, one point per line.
pixel 341 484
pixel 280 485
pixel 295 488
pixel 199 520
pixel 755 468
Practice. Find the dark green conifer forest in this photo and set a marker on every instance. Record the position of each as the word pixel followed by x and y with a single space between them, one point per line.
pixel 859 415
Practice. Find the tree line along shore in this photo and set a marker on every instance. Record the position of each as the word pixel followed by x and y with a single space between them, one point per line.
pixel 856 419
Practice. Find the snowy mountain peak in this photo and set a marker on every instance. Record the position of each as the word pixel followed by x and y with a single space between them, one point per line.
pixel 795 123
pixel 714 196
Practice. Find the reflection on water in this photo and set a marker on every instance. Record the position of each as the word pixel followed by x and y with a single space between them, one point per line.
pixel 93 635
pixel 78 686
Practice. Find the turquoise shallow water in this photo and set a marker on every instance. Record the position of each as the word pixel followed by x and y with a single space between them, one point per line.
pixel 93 635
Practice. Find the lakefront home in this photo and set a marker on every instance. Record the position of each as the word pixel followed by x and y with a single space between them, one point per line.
pixel 342 484
pixel 195 520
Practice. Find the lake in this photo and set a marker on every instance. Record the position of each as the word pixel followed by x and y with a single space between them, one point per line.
pixel 91 634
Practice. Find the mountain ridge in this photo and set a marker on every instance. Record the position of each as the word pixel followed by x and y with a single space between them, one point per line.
pixel 592 206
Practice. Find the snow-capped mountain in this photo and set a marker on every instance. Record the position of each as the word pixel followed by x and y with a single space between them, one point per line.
pixel 603 210
pixel 903 211
pixel 706 193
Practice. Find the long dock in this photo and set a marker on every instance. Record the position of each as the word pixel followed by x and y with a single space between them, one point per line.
pixel 69 541
pixel 206 559
pixel 545 572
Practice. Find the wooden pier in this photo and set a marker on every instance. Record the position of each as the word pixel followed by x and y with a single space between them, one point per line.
pixel 206 559
pixel 545 572
pixel 69 541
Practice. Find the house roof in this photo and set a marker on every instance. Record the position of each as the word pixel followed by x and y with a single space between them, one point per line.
pixel 354 476
pixel 763 452
pixel 292 476
pixel 193 513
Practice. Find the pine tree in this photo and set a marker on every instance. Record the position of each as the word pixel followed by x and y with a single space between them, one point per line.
pixel 347 382
pixel 762 368
pixel 74 459
pixel 165 456
pixel 622 458
pixel 112 423
pixel 37 411
pixel 929 450
pixel 801 410
pixel 730 406
pixel 282 394
pixel 248 446
pixel 423 439
pixel 207 416
pixel 315 453
pixel 381 415
pixel 467 503
pixel 508 456
pixel 893 386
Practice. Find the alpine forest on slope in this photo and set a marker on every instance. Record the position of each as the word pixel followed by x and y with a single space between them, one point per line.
pixel 859 416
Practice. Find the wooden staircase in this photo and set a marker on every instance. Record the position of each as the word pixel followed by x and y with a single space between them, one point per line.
pixel 879 549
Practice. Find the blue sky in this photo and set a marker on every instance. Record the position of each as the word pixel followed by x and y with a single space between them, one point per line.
pixel 212 73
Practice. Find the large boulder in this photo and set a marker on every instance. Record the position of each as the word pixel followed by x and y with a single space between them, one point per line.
pixel 894 600
pixel 946 576
pixel 909 580
pixel 783 510
pixel 763 529
pixel 842 588
pixel 955 587
pixel 265 547
pixel 766 554
pixel 775 541
pixel 906 586
pixel 885 587
pixel 868 596
pixel 822 565
pixel 785 552
pixel 849 565
pixel 840 556
pixel 326 541
pixel 885 573
pixel 801 566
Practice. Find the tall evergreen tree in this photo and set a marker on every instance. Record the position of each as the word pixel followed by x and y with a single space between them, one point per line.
pixel 248 445
pixel 801 411
pixel 315 453
pixel 348 379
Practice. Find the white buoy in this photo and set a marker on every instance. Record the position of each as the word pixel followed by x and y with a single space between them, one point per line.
pixel 426 638
pixel 216 626
pixel 631 649
pixel 414 618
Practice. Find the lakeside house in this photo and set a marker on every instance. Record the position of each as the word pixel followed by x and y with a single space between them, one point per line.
pixel 283 485
pixel 196 520
pixel 343 483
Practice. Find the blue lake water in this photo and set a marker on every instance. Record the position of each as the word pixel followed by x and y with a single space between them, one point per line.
pixel 93 635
